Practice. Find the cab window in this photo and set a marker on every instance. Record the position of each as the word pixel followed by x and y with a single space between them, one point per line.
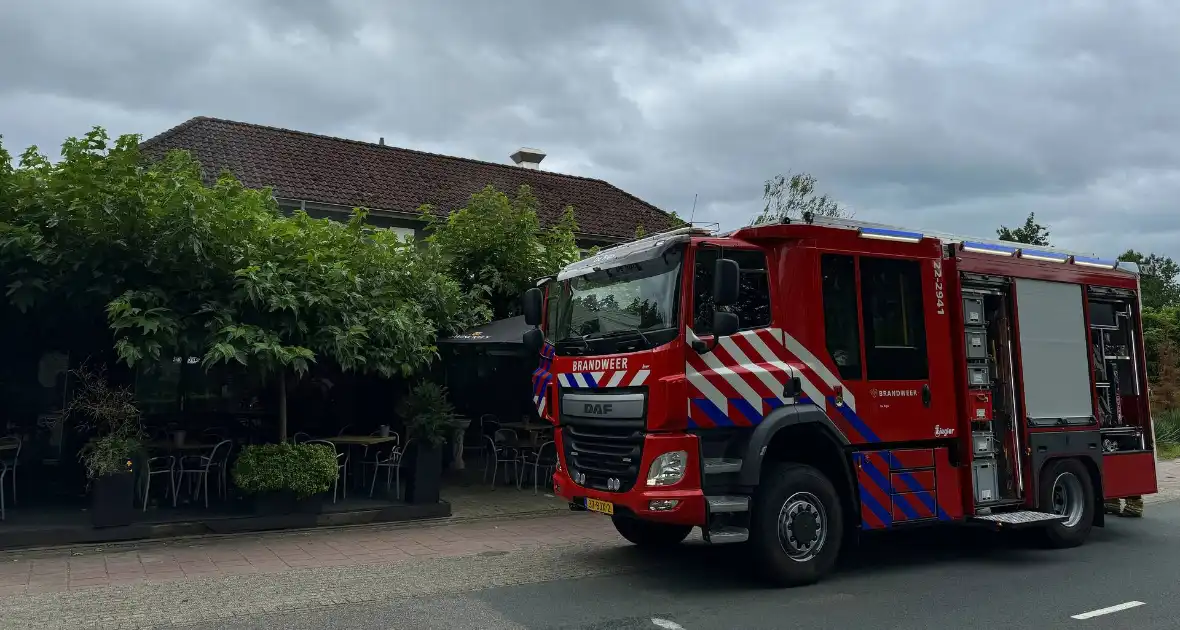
pixel 753 307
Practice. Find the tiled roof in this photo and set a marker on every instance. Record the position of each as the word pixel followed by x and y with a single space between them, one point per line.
pixel 350 173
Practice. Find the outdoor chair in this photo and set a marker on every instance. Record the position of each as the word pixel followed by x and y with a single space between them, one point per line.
pixel 164 465
pixel 488 425
pixel 498 453
pixel 539 460
pixel 341 467
pixel 392 463
pixel 197 468
pixel 11 458
pixel 3 473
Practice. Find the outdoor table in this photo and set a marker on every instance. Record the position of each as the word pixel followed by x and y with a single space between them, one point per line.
pixel 168 445
pixel 360 440
pixel 526 426
pixel 364 441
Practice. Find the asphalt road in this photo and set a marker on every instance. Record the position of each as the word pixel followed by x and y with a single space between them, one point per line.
pixel 930 579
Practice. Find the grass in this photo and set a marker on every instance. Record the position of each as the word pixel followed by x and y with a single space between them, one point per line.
pixel 1167 434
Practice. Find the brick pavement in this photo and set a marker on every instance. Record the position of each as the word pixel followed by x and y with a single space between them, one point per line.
pixel 50 571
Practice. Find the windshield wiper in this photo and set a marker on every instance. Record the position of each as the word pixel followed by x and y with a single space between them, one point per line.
pixel 620 333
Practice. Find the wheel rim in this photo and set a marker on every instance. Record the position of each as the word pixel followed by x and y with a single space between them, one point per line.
pixel 802 526
pixel 1068 500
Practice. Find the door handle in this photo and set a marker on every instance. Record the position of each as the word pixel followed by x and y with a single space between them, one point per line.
pixel 926 395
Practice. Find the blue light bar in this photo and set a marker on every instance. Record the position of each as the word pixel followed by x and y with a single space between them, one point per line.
pixel 890 235
pixel 1087 261
pixel 1036 254
pixel 989 248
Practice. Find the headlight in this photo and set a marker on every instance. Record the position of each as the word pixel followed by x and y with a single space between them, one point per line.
pixel 667 469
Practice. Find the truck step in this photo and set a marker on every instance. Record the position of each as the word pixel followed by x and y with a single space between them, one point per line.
pixel 726 535
pixel 1013 520
pixel 718 505
pixel 722 465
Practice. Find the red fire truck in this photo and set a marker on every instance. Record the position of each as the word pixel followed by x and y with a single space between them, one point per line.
pixel 788 386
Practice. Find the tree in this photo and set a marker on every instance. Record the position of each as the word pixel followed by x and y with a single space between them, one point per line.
pixel 1031 233
pixel 175 268
pixel 496 248
pixel 1157 280
pixel 794 198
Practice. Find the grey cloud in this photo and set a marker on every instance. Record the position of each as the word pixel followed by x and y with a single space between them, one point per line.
pixel 925 113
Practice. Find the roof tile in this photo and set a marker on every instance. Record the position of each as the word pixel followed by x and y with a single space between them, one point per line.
pixel 337 171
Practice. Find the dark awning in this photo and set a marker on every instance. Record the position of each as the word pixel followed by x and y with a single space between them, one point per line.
pixel 502 331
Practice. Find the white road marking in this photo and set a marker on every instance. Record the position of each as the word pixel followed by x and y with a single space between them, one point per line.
pixel 666 625
pixel 1108 610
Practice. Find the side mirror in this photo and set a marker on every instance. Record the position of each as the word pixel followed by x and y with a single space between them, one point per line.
pixel 533 340
pixel 725 282
pixel 532 306
pixel 725 324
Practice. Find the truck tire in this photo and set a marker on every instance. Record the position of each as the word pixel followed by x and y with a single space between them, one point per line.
pixel 1066 489
pixel 649 534
pixel 797 525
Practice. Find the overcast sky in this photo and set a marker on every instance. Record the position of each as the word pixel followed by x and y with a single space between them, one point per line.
pixel 953 116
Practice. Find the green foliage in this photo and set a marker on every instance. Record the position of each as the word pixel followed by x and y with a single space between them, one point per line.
pixel 795 198
pixel 640 232
pixel 676 221
pixel 1167 433
pixel 174 267
pixel 1157 280
pixel 303 469
pixel 1031 233
pixel 428 414
pixel 496 248
pixel 112 415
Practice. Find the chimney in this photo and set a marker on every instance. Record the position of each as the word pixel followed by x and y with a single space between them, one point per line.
pixel 381 141
pixel 528 158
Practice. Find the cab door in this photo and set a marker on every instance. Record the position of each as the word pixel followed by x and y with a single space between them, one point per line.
pixel 897 360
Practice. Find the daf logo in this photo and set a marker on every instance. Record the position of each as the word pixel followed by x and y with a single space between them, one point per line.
pixel 597 409
pixel 613 484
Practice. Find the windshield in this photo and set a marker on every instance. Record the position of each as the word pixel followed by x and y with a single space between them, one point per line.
pixel 635 306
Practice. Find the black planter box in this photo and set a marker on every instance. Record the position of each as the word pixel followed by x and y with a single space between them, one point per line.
pixel 273 503
pixel 112 500
pixel 426 475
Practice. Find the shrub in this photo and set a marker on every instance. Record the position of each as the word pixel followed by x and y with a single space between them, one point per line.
pixel 429 416
pixel 112 414
pixel 303 469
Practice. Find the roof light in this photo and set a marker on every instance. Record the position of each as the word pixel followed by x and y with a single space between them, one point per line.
pixel 1088 261
pixel 890 235
pixel 1033 254
pixel 989 248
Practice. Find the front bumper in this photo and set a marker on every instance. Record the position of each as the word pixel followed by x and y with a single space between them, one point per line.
pixel 689 507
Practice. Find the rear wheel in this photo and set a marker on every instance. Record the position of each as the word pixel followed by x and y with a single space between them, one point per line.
pixel 797 525
pixel 1066 490
pixel 649 534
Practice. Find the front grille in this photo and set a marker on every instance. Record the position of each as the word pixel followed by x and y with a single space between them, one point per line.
pixel 603 450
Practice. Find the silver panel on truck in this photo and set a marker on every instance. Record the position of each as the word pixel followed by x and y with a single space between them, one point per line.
pixel 603 405
pixel 1054 353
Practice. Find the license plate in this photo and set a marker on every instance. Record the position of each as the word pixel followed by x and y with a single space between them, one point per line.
pixel 602 507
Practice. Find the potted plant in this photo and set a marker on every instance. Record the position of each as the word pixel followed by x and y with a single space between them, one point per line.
pixel 285 478
pixel 429 419
pixel 113 416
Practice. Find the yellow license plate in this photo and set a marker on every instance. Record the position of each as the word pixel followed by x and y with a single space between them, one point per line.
pixel 602 507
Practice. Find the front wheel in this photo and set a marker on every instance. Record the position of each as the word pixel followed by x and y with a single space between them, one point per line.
pixel 649 534
pixel 1066 490
pixel 797 526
